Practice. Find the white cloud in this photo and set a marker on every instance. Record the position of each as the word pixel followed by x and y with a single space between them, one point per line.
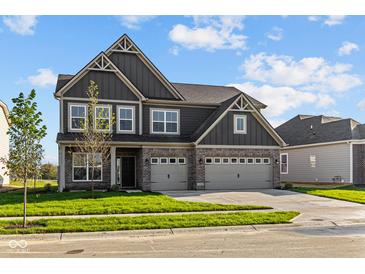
pixel 276 34
pixel 310 73
pixel 134 21
pixel 331 20
pixel 210 33
pixel 347 48
pixel 361 104
pixel 21 24
pixel 45 77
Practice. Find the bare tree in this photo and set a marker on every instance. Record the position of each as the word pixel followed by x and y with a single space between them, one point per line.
pixel 95 139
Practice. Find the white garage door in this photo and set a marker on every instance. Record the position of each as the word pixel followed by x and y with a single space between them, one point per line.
pixel 223 173
pixel 169 174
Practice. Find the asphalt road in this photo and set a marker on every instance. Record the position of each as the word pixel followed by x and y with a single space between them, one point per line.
pixel 244 242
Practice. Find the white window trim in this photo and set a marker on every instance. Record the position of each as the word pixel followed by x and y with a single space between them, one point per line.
pixel 70 117
pixel 87 168
pixel 167 161
pixel 152 110
pixel 217 163
pixel 261 161
pixel 287 163
pixel 236 163
pixel 235 118
pixel 312 164
pixel 223 163
pixel 253 161
pixel 244 159
pixel 133 108
pixel 181 158
pixel 155 158
pixel 266 158
pixel 109 107
pixel 172 163
pixel 211 159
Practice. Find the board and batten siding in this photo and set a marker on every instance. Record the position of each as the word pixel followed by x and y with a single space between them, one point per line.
pixel 223 133
pixel 4 147
pixel 110 87
pixel 331 160
pixel 141 76
pixel 358 163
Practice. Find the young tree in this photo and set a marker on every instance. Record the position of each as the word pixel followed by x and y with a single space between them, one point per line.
pixel 25 134
pixel 96 137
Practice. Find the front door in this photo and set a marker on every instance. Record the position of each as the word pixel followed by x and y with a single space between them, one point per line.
pixel 126 172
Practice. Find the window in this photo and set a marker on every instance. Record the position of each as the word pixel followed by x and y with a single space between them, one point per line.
pixel 284 163
pixel 208 161
pixel 165 121
pixel 172 161
pixel 312 161
pixel 181 161
pixel 125 119
pixel 154 161
pixel 240 124
pixel 266 161
pixel 77 117
pixel 234 160
pixel 225 160
pixel 163 161
pixel 258 161
pixel 250 161
pixel 102 118
pixel 242 161
pixel 217 161
pixel 82 166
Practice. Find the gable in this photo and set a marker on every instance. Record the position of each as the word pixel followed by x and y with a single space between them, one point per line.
pixel 110 86
pixel 222 133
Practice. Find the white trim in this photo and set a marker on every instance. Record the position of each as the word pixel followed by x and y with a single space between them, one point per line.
pixel 70 105
pixel 133 130
pixel 140 118
pixel 211 159
pixel 250 158
pixel 235 118
pixel 138 144
pixel 266 158
pixel 179 103
pixel 152 110
pixel 357 141
pixel 171 158
pixel 237 161
pixel 351 163
pixel 287 163
pixel 155 158
pixel 238 146
pixel 61 163
pixel 181 158
pixel 109 107
pixel 87 167
pixel 102 100
pixel 113 165
pixel 165 158
pixel 260 161
pixel 217 162
pixel 61 116
pixel 225 158
pixel 244 161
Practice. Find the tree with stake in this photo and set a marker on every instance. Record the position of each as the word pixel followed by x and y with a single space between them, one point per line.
pixel 95 139
pixel 25 134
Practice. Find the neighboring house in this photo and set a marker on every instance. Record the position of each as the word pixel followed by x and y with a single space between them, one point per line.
pixel 323 149
pixel 167 136
pixel 4 142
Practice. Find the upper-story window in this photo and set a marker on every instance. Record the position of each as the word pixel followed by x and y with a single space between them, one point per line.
pixel 165 121
pixel 125 122
pixel 77 117
pixel 240 124
pixel 102 118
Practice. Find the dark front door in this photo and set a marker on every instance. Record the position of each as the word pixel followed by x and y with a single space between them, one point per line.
pixel 127 171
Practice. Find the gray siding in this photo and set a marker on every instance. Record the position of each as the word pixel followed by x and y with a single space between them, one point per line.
pixel 141 76
pixel 222 133
pixel 358 164
pixel 190 118
pixel 331 160
pixel 114 111
pixel 110 87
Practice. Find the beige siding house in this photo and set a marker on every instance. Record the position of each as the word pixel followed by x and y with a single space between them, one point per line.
pixel 4 141
pixel 322 149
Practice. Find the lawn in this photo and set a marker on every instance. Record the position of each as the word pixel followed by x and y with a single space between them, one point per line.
pixel 39 183
pixel 146 222
pixel 348 193
pixel 81 203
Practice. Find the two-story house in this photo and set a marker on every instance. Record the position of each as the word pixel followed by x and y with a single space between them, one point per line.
pixel 4 142
pixel 167 136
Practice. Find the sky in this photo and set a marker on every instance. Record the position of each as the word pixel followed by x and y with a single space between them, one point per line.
pixel 294 64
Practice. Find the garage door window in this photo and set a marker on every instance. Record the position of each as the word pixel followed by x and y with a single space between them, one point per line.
pixel 225 161
pixel 208 161
pixel 242 161
pixel 217 161
pixel 182 161
pixel 250 161
pixel 155 161
pixel 258 161
pixel 172 161
pixel 266 161
pixel 284 163
pixel 163 161
pixel 234 161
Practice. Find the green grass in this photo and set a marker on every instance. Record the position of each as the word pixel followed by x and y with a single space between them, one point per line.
pixel 39 184
pixel 81 203
pixel 348 193
pixel 146 222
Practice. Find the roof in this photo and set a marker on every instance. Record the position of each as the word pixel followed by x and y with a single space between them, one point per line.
pixel 5 109
pixel 310 129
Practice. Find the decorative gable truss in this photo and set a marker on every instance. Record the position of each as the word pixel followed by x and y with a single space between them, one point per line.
pixel 242 104
pixel 124 45
pixel 101 63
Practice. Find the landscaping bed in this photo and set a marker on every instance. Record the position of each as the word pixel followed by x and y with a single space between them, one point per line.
pixel 146 222
pixel 86 203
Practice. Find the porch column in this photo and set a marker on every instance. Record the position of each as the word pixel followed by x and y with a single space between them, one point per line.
pixel 61 167
pixel 113 165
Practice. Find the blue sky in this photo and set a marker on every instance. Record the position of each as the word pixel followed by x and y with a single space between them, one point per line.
pixel 294 64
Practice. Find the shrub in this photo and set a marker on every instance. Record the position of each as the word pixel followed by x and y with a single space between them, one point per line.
pixel 114 188
pixel 47 187
pixel 288 186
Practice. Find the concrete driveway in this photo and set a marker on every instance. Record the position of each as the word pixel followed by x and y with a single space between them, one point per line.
pixel 314 210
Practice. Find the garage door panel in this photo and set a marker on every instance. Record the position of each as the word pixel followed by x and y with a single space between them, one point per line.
pixel 238 176
pixel 169 177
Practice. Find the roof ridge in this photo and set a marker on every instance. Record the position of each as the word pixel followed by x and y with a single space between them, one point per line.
pixel 203 85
